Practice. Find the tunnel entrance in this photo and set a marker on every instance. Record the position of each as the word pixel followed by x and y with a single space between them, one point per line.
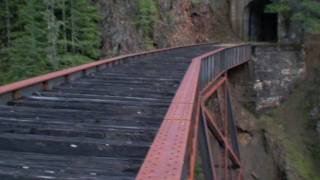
pixel 262 26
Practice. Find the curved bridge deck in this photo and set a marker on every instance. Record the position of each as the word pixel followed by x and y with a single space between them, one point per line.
pixel 97 127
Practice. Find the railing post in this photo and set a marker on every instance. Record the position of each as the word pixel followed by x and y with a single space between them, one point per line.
pixel 232 124
pixel 208 69
pixel 205 149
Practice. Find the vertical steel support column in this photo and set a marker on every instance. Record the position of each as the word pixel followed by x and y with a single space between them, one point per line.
pixel 225 130
pixel 205 149
pixel 232 126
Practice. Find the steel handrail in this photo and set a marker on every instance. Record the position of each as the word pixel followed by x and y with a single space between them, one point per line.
pixel 12 90
pixel 173 152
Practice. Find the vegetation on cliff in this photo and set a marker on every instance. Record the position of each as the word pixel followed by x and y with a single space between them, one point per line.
pixel 295 133
pixel 145 20
pixel 42 36
pixel 305 11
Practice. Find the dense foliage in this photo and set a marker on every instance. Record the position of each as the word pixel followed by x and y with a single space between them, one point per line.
pixel 305 11
pixel 47 35
pixel 146 18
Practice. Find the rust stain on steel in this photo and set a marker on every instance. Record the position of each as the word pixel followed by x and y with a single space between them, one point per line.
pixel 222 135
pixel 208 86
pixel 194 143
pixel 182 104
pixel 221 138
pixel 165 158
pixel 186 92
pixel 50 76
pixel 211 159
pixel 212 88
pixel 167 155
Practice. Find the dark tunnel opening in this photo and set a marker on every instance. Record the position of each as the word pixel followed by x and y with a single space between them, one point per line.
pixel 262 26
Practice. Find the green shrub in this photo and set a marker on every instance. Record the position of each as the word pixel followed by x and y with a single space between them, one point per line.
pixel 307 12
pixel 146 18
pixel 195 2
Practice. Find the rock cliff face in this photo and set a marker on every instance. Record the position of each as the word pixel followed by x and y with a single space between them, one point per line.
pixel 176 22
pixel 277 68
pixel 119 33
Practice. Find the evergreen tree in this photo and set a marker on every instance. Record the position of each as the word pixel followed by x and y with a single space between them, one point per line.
pixel 27 53
pixel 80 34
pixel 7 13
pixel 8 23
pixel 41 36
pixel 63 42
pixel 73 28
pixel 146 18
pixel 52 33
pixel 85 32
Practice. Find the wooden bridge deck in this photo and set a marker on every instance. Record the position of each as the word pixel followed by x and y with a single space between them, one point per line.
pixel 97 127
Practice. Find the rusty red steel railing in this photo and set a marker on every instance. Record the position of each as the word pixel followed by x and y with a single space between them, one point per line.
pixel 190 124
pixel 47 81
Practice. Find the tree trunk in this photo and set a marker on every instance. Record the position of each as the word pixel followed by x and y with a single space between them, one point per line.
pixel 8 23
pixel 64 19
pixel 52 34
pixel 32 30
pixel 73 31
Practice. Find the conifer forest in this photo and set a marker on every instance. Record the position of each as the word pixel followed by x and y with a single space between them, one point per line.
pixel 39 36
